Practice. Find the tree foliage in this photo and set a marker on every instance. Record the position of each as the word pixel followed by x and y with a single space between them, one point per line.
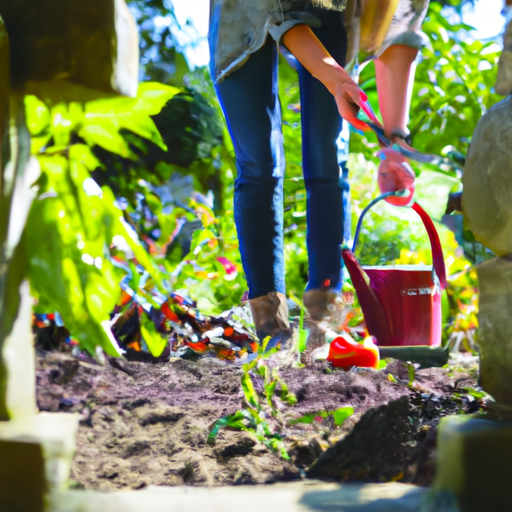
pixel 74 223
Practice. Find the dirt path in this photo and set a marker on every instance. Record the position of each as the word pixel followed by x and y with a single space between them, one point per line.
pixel 147 424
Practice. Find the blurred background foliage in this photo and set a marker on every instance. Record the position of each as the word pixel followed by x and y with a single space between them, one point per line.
pixel 143 195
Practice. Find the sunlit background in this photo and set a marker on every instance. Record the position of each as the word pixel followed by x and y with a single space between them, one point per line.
pixel 485 16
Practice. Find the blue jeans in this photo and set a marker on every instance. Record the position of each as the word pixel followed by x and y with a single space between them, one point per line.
pixel 250 102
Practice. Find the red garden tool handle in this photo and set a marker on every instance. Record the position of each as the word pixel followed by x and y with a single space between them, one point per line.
pixel 435 243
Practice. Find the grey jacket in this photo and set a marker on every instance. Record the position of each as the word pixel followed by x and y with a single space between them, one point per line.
pixel 240 27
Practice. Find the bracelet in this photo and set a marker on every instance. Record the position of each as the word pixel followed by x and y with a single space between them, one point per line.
pixel 401 134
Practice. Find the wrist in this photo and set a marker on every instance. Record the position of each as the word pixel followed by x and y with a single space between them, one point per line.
pixel 399 133
pixel 332 75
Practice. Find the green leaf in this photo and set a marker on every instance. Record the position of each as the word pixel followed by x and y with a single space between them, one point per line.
pixel 237 421
pixel 286 395
pixel 276 444
pixel 340 415
pixel 303 333
pixel 37 115
pixel 264 343
pixel 154 340
pixel 105 135
pixel 476 393
pixel 66 237
pixel 269 393
pixel 249 391
pixel 411 370
pixel 382 364
pixel 307 418
pixel 152 96
pixel 104 118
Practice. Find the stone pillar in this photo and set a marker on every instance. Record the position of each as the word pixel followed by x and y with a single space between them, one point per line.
pixel 18 172
pixel 93 44
pixel 475 453
pixel 487 209
pixel 495 333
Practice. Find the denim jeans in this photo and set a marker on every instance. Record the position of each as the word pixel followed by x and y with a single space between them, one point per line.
pixel 250 102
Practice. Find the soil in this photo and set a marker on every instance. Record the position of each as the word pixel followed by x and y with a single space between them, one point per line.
pixel 148 424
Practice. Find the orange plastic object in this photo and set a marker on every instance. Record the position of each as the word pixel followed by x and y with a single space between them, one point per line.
pixel 345 352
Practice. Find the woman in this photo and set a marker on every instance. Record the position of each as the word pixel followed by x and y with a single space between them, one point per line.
pixel 244 37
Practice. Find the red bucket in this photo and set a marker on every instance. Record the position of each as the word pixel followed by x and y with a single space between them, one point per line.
pixel 401 303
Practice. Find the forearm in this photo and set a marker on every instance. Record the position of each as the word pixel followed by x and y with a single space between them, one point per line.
pixel 395 76
pixel 310 52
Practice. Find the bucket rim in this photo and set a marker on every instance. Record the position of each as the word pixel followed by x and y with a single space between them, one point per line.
pixel 405 268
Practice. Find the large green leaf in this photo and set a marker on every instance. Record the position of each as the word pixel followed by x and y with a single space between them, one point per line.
pixel 82 294
pixel 105 133
pixel 67 234
pixel 58 111
pixel 126 113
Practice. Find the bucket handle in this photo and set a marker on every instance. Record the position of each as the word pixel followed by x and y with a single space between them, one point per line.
pixel 435 243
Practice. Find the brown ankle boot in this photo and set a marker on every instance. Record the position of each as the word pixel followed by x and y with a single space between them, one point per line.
pixel 325 305
pixel 270 315
pixel 327 312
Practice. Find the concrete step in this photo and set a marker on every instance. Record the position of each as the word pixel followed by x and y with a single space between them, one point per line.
pixel 293 497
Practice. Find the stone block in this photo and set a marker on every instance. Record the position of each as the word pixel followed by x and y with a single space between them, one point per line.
pixel 475 463
pixel 22 476
pixel 92 43
pixel 304 496
pixel 54 434
pixel 487 180
pixel 495 321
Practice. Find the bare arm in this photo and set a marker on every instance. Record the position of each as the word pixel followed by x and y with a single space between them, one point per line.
pixel 310 52
pixel 395 72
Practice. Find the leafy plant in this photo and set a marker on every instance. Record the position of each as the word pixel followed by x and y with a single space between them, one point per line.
pixel 252 418
pixel 74 225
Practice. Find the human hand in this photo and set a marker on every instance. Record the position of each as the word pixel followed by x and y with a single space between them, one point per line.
pixel 348 98
pixel 395 173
